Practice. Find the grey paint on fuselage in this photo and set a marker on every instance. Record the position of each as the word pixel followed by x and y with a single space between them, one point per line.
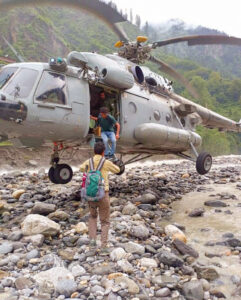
pixel 55 122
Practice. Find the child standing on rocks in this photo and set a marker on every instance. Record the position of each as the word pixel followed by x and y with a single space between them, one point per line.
pixel 103 205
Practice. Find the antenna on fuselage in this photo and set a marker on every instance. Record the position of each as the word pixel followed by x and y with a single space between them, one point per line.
pixel 19 57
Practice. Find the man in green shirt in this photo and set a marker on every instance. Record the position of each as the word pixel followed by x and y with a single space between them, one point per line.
pixel 107 124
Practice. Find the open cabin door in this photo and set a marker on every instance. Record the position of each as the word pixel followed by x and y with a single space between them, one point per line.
pixel 62 106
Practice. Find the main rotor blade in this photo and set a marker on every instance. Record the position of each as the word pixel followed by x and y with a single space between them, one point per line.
pixel 193 40
pixel 107 12
pixel 19 57
pixel 170 71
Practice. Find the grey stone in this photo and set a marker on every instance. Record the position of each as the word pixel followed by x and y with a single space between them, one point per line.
pixel 185 249
pixel 36 240
pixel 233 242
pixel 32 254
pixel 129 209
pixel 193 290
pixel 197 212
pixel 164 292
pixel 76 269
pixel 7 282
pixel 157 280
pixel 82 241
pixel 147 198
pixel 125 266
pixel 207 273
pixel 58 215
pixel 6 248
pixel 43 208
pixel 235 279
pixel 25 197
pixel 15 236
pixel 145 207
pixel 140 232
pixel 117 254
pixel 96 289
pixel 150 249
pixel 132 247
pixel 23 283
pixel 112 296
pixel 169 259
pixel 215 203
pixel 228 235
pixel 66 287
pixel 103 269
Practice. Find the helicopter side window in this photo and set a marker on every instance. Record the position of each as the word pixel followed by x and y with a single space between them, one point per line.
pixel 52 88
pixel 22 83
pixel 5 75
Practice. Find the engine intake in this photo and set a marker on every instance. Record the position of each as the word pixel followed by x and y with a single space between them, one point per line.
pixel 118 78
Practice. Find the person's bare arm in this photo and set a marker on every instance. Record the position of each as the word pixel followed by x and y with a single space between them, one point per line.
pixel 117 130
pixel 112 167
pixel 93 118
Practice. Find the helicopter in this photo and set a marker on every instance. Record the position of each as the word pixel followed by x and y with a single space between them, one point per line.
pixel 50 101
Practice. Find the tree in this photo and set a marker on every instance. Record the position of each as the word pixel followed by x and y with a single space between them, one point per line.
pixel 131 16
pixel 146 28
pixel 138 21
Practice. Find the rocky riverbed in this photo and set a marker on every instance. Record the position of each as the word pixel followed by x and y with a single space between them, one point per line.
pixel 165 241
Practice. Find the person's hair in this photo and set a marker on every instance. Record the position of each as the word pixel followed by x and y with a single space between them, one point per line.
pixel 99 148
pixel 104 110
pixel 102 92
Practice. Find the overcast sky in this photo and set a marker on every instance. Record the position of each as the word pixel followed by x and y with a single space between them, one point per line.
pixel 223 15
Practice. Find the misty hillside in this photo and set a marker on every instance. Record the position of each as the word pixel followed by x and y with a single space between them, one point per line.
pixel 225 59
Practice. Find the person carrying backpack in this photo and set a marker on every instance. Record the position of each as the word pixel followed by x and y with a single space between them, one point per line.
pixel 96 192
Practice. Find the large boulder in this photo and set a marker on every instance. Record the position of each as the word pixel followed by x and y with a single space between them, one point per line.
pixel 52 276
pixel 37 224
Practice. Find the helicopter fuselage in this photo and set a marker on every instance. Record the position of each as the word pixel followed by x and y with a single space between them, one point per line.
pixel 39 104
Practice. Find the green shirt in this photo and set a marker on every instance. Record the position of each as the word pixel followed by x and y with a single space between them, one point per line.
pixel 107 124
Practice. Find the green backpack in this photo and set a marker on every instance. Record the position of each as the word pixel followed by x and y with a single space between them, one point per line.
pixel 94 189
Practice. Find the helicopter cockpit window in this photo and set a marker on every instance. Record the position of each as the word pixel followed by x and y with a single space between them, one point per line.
pixel 22 83
pixel 5 75
pixel 52 88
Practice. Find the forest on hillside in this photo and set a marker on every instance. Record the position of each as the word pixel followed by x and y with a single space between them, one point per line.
pixel 215 71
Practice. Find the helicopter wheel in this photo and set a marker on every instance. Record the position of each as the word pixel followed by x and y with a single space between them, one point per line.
pixel 121 165
pixel 51 175
pixel 63 173
pixel 203 163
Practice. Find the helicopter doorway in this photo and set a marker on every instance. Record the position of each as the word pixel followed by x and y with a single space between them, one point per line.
pixel 102 97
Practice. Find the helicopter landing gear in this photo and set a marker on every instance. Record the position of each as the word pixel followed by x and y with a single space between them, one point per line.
pixel 59 173
pixel 203 163
pixel 203 160
pixel 119 163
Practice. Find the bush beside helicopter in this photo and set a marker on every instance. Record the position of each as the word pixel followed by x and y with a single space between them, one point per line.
pixel 51 101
